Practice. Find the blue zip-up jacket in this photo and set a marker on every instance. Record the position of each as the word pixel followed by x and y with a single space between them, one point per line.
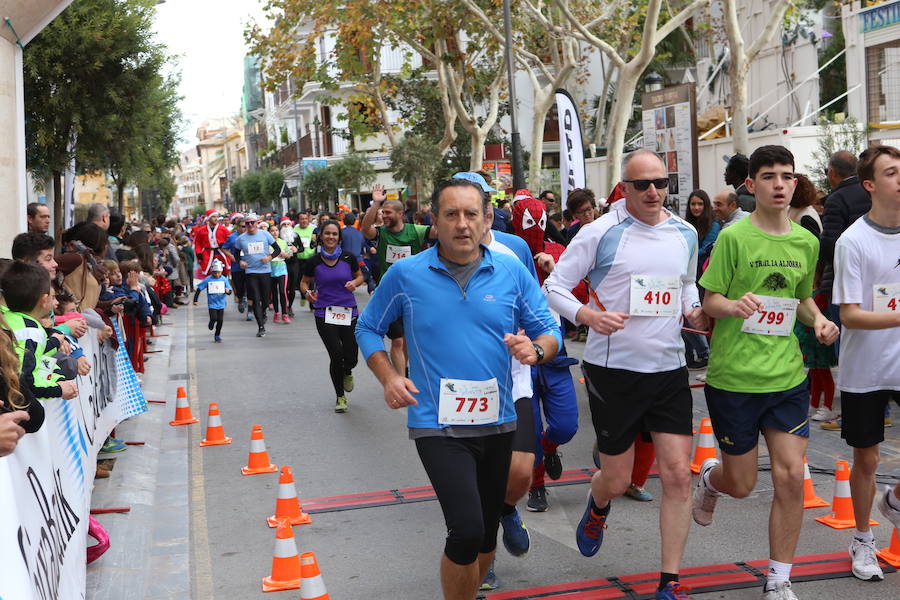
pixel 462 329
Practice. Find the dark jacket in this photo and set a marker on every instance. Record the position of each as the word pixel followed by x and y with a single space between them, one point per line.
pixel 746 200
pixel 844 205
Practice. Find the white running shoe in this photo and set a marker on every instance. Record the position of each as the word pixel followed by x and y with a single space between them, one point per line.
pixel 865 564
pixel 823 414
pixel 701 377
pixel 704 501
pixel 782 591
pixel 890 513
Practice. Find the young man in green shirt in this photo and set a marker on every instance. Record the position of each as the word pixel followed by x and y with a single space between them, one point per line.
pixel 307 249
pixel 759 279
pixel 396 240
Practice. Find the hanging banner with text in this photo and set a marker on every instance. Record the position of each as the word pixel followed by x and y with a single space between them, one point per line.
pixel 571 148
pixel 46 483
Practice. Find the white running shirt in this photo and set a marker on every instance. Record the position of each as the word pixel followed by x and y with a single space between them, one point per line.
pixel 608 252
pixel 863 258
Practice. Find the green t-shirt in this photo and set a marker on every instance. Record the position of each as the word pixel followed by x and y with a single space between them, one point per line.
pixel 393 246
pixel 306 238
pixel 746 259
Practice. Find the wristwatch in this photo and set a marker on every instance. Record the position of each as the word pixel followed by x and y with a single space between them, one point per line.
pixel 539 350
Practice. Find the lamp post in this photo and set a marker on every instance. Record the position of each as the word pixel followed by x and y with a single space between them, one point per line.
pixel 518 171
pixel 653 82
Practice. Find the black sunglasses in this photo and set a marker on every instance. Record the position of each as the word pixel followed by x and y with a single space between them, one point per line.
pixel 642 184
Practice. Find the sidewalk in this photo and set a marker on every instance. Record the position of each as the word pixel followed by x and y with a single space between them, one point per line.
pixel 149 554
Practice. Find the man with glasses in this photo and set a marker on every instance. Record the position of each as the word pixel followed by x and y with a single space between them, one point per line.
pixel 640 261
pixel 237 272
pixel 257 248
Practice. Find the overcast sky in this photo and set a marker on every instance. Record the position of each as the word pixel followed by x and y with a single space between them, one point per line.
pixel 207 35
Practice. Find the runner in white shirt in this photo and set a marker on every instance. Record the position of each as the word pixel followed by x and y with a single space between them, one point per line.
pixel 641 263
pixel 867 288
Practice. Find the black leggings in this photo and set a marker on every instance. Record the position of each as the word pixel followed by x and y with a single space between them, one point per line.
pixel 469 478
pixel 293 280
pixel 279 294
pixel 343 353
pixel 258 294
pixel 217 317
pixel 238 282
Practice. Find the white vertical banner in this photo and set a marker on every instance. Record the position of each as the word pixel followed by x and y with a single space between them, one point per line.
pixel 571 148
pixel 69 187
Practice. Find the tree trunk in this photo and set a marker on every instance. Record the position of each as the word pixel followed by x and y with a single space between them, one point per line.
pixel 618 123
pixel 120 197
pixel 740 137
pixel 600 119
pixel 476 157
pixel 58 216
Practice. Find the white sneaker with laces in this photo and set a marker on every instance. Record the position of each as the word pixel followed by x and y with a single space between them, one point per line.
pixel 782 591
pixel 704 500
pixel 865 564
pixel 890 513
pixel 823 414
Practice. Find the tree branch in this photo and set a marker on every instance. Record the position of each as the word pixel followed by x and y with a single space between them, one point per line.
pixel 680 19
pixel 775 20
pixel 589 37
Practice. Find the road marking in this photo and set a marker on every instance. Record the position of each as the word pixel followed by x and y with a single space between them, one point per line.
pixel 554 524
pixel 202 565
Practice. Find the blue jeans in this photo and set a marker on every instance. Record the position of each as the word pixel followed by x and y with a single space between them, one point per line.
pixel 696 346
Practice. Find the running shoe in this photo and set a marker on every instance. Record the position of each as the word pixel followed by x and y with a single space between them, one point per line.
pixel 217 339
pixel 112 445
pixel 863 560
pixel 241 305
pixel 673 591
pixel 249 316
pixel 638 493
pixel 285 318
pixel 490 581
pixel 701 377
pixel 553 465
pixel 277 318
pixel 704 502
pixel 515 535
pixel 782 591
pixel 834 425
pixel 589 534
pixel 696 365
pixel 890 513
pixel 823 414
pixel 261 332
pixel 302 301
pixel 211 325
pixel 537 499
pixel 290 313
pixel 348 382
pixel 582 336
pixel 340 406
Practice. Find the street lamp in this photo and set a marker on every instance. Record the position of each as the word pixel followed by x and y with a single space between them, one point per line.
pixel 518 171
pixel 653 82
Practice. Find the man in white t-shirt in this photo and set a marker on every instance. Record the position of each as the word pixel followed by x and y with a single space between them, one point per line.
pixel 641 262
pixel 867 289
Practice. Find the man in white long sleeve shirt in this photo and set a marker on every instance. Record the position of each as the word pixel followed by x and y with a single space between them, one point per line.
pixel 641 262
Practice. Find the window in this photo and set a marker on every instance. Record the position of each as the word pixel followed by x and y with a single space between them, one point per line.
pixel 883 84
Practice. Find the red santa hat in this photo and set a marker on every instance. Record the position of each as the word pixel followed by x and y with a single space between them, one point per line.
pixel 285 219
pixel 210 212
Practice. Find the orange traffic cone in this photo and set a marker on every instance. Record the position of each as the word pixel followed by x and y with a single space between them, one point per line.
pixel 706 445
pixel 258 461
pixel 183 414
pixel 215 433
pixel 285 561
pixel 890 555
pixel 313 587
pixel 810 500
pixel 287 506
pixel 841 516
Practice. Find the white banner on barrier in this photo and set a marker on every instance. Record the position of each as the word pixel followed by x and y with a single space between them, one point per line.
pixel 46 485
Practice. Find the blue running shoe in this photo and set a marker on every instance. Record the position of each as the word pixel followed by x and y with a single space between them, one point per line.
pixel 515 535
pixel 112 445
pixel 589 534
pixel 217 339
pixel 490 581
pixel 240 305
pixel 249 316
pixel 673 591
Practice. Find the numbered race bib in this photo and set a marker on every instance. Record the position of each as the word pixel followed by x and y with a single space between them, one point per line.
pixel 307 243
pixel 215 287
pixel 46 368
pixel 655 296
pixel 776 317
pixel 338 315
pixel 886 298
pixel 395 253
pixel 255 247
pixel 466 402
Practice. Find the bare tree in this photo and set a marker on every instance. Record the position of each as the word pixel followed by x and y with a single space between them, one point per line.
pixel 741 58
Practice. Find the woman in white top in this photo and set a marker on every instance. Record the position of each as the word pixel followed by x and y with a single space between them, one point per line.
pixel 801 210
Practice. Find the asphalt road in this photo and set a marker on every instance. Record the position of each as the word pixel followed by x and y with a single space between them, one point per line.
pixel 281 382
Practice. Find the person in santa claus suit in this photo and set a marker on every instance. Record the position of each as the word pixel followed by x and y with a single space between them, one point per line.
pixel 553 388
pixel 209 239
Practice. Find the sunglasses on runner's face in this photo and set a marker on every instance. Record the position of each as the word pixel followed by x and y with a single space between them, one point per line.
pixel 642 184
pixel 249 223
